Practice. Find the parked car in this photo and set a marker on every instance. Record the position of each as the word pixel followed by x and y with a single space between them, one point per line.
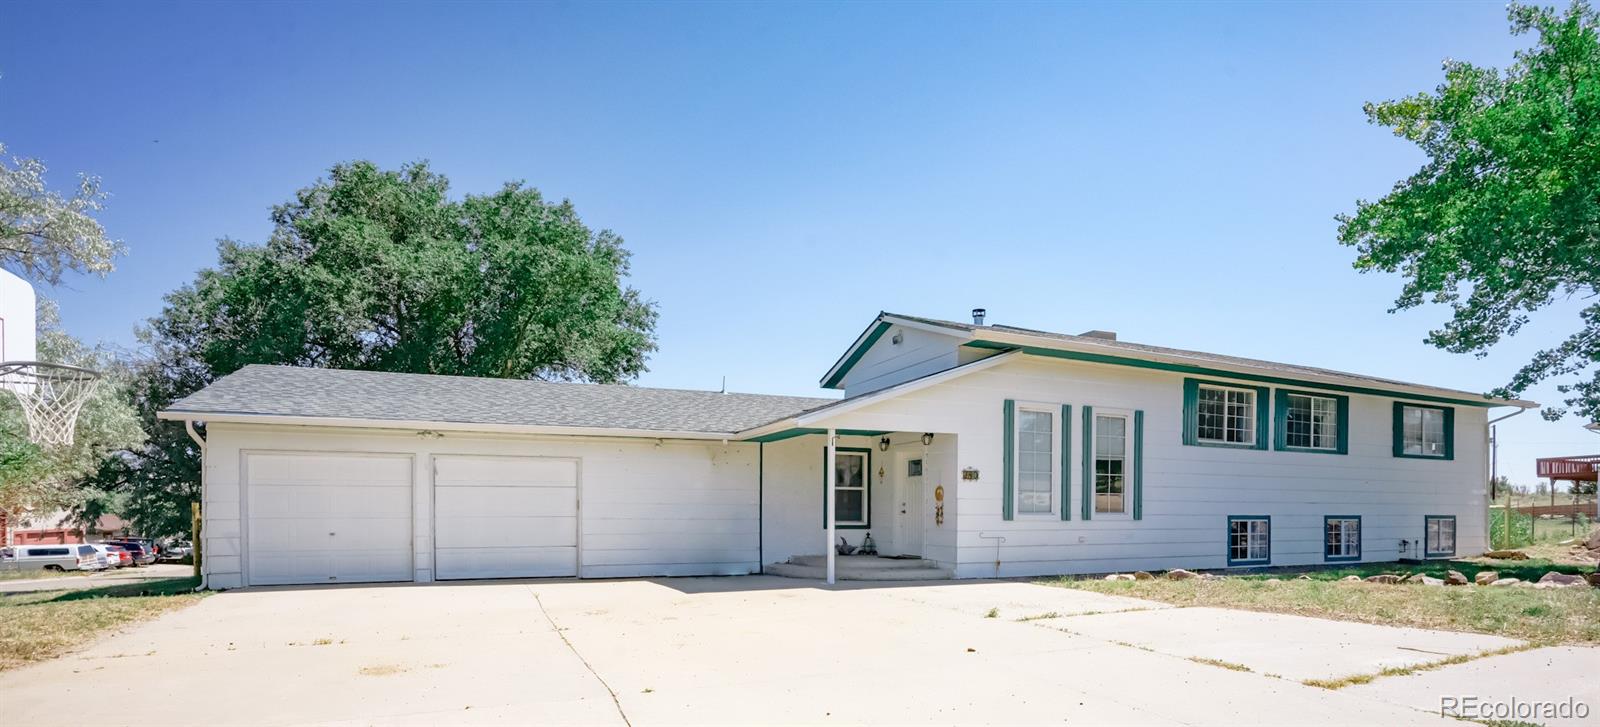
pixel 142 554
pixel 175 550
pixel 116 555
pixel 70 556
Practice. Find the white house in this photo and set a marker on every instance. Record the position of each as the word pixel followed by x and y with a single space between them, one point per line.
pixel 984 450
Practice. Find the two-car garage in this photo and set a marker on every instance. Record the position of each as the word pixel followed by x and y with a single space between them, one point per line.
pixel 323 517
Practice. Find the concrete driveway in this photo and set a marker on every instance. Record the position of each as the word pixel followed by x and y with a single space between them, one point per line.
pixel 751 650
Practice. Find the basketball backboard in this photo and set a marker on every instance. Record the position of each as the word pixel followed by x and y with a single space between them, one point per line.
pixel 18 329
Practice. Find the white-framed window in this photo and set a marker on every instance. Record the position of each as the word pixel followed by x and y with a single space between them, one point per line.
pixel 1036 459
pixel 850 472
pixel 1341 537
pixel 1423 431
pixel 1227 415
pixel 1249 540
pixel 1111 461
pixel 1441 535
pixel 1311 422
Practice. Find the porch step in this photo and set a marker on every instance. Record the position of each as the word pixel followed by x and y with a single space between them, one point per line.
pixel 860 568
pixel 864 562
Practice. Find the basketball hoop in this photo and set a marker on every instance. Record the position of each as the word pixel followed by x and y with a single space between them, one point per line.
pixel 51 395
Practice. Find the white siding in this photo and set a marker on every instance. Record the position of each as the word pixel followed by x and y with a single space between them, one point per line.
pixel 887 363
pixel 673 508
pixel 792 504
pixel 1188 491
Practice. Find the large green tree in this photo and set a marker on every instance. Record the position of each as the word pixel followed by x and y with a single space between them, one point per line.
pixel 1504 217
pixel 384 270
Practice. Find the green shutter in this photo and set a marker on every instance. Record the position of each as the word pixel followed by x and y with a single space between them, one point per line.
pixel 1088 462
pixel 1191 412
pixel 1344 426
pixel 1450 435
pixel 1263 416
pixel 1138 464
pixel 1399 430
pixel 1066 461
pixel 1010 457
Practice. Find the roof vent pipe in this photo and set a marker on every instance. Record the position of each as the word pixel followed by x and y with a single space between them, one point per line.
pixel 977 316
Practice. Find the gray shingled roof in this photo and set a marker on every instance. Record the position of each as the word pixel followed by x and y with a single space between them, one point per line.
pixel 1199 356
pixel 339 393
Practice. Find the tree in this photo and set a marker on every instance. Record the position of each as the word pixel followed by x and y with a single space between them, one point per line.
pixel 1504 217
pixel 43 234
pixel 383 270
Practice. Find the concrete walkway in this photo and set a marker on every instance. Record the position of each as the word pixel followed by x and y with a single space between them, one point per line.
pixel 672 651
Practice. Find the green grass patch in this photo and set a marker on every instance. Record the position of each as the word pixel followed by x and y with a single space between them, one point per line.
pixel 45 624
pixel 1557 615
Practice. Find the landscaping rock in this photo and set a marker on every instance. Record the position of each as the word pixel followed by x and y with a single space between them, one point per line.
pixel 1593 543
pixel 1120 577
pixel 1179 574
pixel 1485 577
pixel 1506 555
pixel 1303 577
pixel 1454 578
pixel 1383 578
pixel 1428 580
pixel 1506 582
pixel 1594 579
pixel 1143 576
pixel 1351 579
pixel 1562 579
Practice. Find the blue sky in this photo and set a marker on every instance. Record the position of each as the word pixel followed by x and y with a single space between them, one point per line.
pixel 782 172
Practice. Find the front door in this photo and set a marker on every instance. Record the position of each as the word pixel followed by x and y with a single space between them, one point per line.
pixel 908 507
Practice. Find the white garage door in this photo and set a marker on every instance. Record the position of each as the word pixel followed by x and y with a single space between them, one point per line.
pixel 328 518
pixel 505 517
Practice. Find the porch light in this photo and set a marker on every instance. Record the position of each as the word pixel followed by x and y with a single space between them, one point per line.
pixel 883 444
pixel 927 438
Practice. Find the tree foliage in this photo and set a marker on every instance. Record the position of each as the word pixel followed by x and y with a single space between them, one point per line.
pixel 42 233
pixel 1504 217
pixel 383 270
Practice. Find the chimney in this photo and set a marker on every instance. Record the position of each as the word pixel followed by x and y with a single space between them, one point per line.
pixel 977 316
pixel 1107 335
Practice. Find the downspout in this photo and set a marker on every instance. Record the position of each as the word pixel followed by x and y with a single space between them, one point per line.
pixel 198 550
pixel 1493 454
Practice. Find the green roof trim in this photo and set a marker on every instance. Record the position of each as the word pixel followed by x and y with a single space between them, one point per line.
pixel 803 431
pixel 1224 373
pixel 855 354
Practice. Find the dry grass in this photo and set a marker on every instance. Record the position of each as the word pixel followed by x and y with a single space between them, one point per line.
pixel 383 670
pixel 1559 615
pixel 46 624
pixel 1396 671
pixel 1220 663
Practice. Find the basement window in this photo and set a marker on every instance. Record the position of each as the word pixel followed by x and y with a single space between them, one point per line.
pixel 1441 536
pixel 1249 540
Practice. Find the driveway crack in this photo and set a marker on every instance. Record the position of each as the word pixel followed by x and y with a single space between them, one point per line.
pixel 557 628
